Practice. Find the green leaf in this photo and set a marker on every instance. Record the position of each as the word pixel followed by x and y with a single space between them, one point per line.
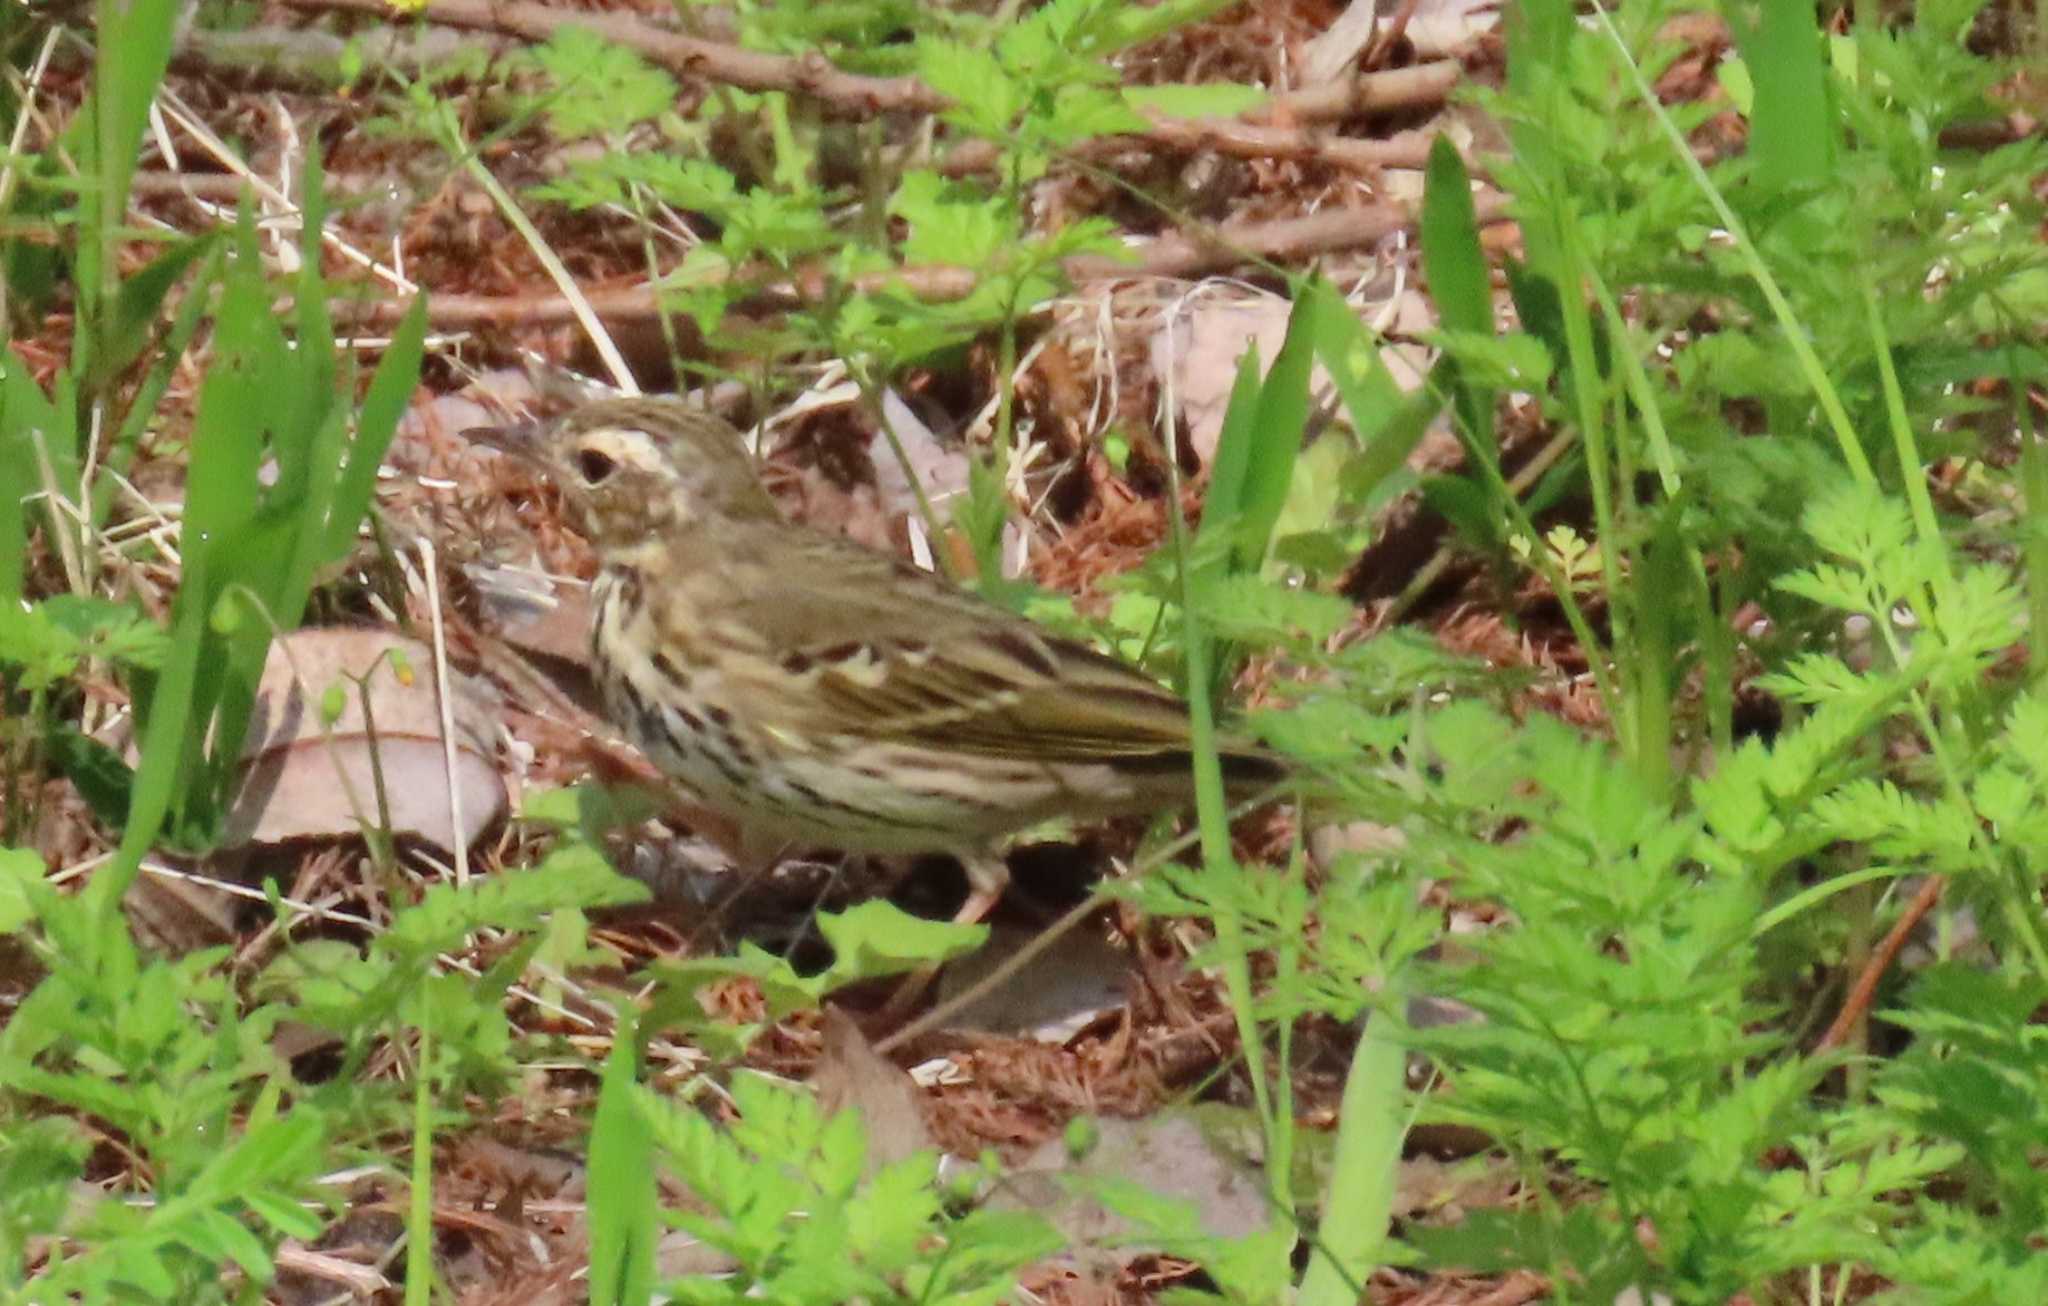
pixel 986 100
pixel 102 779
pixel 1277 429
pixel 1791 131
pixel 1258 611
pixel 622 1189
pixel 1253 469
pixel 1372 1123
pixel 26 413
pixel 1196 99
pixel 21 874
pixel 1515 361
pixel 572 876
pixel 950 222
pixel 1224 500
pixel 600 87
pixel 118 632
pixel 1458 279
pixel 132 321
pixel 133 52
pixel 1451 257
pixel 1127 25
pixel 230 1241
pixel 391 389
pixel 878 938
pixel 1082 113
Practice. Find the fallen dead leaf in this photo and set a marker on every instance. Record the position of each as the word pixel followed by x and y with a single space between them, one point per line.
pixel 1445 29
pixel 1336 51
pixel 1174 1154
pixel 941 471
pixel 850 1073
pixel 1199 348
pixel 300 782
pixel 1079 980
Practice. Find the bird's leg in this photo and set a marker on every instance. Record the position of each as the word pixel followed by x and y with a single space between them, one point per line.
pixel 987 877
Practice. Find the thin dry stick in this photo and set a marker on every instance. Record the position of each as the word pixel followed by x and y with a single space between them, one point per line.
pixel 558 272
pixel 58 507
pixel 229 888
pixel 274 199
pixel 996 978
pixel 1433 570
pixel 359 1282
pixel 1857 1004
pixel 1184 254
pixel 1024 956
pixel 857 95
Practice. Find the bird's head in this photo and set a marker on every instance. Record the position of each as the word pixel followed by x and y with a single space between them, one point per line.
pixel 640 468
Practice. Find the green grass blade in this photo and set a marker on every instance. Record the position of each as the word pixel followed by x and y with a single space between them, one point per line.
pixel 248 529
pixel 24 410
pixel 227 436
pixel 316 323
pixel 1351 355
pixel 167 744
pixel 1451 257
pixel 224 546
pixel 2033 481
pixel 1219 514
pixel 135 50
pixel 1389 424
pixel 14 487
pixel 1224 499
pixel 622 1197
pixel 419 1210
pixel 390 391
pixel 170 350
pixel 1795 335
pixel 1790 136
pixel 312 513
pixel 1458 279
pixel 312 438
pixel 135 38
pixel 1372 1122
pixel 132 318
pixel 1255 454
pixel 1275 438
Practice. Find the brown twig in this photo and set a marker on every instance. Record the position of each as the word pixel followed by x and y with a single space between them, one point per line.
pixel 806 74
pixel 1391 35
pixel 1857 1003
pixel 1005 971
pixel 1423 86
pixel 1182 254
pixel 1252 141
pixel 857 95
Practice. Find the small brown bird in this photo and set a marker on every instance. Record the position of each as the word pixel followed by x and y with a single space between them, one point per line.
pixel 822 695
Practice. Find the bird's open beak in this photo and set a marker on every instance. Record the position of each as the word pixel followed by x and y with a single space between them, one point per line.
pixel 520 439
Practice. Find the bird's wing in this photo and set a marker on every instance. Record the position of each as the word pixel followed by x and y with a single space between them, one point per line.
pixel 881 649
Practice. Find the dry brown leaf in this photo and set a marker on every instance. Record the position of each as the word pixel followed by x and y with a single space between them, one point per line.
pixel 1446 29
pixel 941 469
pixel 1080 979
pixel 300 782
pixel 850 1073
pixel 1175 1155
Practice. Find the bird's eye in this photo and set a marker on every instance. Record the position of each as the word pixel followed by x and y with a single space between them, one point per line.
pixel 594 466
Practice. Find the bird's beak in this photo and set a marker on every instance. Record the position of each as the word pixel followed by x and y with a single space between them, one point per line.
pixel 520 439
